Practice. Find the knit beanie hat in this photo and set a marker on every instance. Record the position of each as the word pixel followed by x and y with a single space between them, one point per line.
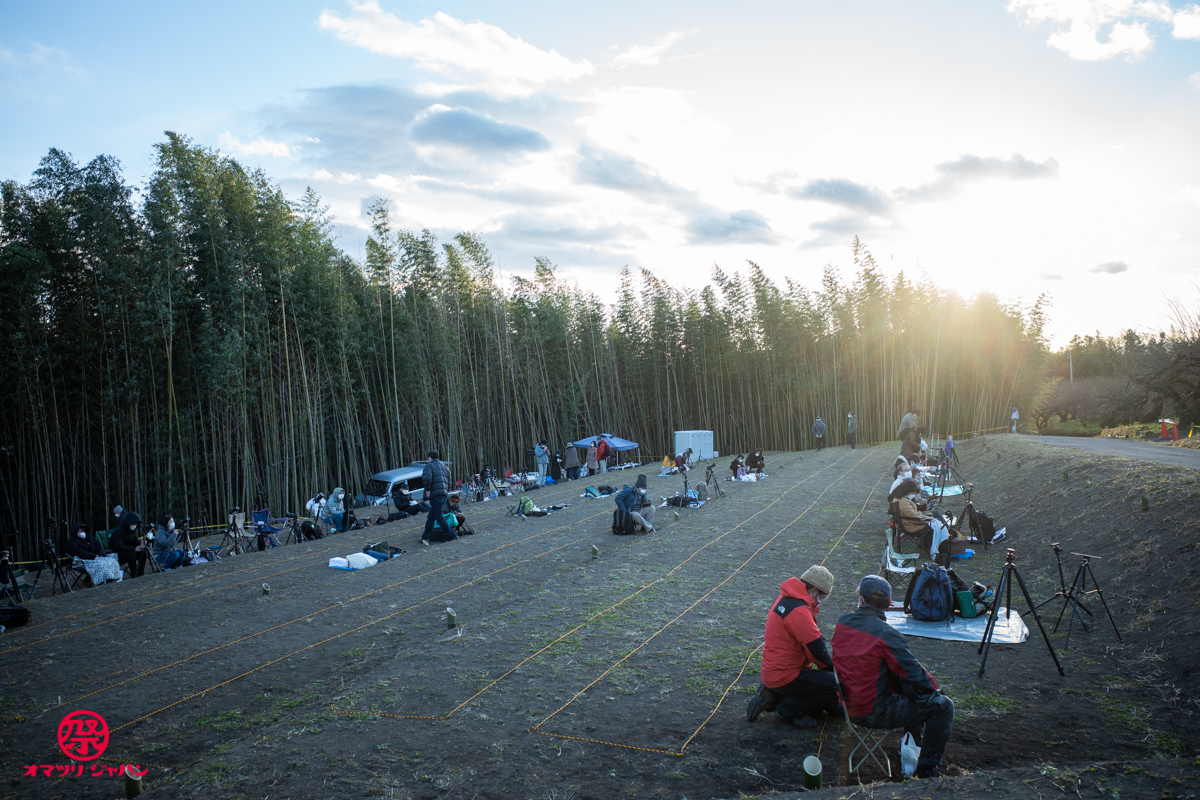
pixel 641 482
pixel 819 577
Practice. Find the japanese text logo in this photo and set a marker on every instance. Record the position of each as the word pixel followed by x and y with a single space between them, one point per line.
pixel 83 735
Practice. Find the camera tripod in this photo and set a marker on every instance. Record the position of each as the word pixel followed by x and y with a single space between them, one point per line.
pixel 1004 590
pixel 235 539
pixel 49 558
pixel 710 477
pixel 1072 596
pixel 9 588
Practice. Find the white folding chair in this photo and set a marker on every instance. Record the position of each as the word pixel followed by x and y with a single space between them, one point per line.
pixel 895 563
pixel 870 740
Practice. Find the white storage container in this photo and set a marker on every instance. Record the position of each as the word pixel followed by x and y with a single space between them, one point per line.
pixel 701 443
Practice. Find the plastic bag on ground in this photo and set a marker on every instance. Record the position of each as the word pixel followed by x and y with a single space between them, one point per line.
pixel 360 561
pixel 909 753
pixel 337 562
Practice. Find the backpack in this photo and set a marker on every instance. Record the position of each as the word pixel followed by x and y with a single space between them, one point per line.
pixel 525 506
pixel 592 491
pixel 930 597
pixel 702 492
pixel 606 490
pixel 602 450
pixel 622 523
pixel 14 616
pixel 677 501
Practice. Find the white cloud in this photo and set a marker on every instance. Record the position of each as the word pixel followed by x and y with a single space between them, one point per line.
pixel 1194 80
pixel 647 55
pixel 1110 268
pixel 1187 23
pixel 1085 39
pixel 452 47
pixel 1168 236
pixel 1188 194
pixel 262 147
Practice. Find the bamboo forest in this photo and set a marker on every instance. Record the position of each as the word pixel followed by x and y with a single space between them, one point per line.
pixel 200 342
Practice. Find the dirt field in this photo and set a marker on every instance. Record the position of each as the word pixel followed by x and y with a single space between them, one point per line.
pixel 623 675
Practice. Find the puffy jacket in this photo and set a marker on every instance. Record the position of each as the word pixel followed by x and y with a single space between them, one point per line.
pixel 603 450
pixel 436 479
pixel 85 548
pixel 125 538
pixel 629 499
pixel 911 518
pixel 336 504
pixel 818 428
pixel 852 425
pixel 792 641
pixel 570 458
pixel 873 662
pixel 164 541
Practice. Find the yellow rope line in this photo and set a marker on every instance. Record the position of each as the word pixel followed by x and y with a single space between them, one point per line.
pixel 730 577
pixel 725 694
pixel 347 632
pixel 321 611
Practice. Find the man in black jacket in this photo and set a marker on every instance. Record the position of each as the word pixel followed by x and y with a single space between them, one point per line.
pixel 437 482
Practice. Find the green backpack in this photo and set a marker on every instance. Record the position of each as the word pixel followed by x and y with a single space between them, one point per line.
pixel 525 506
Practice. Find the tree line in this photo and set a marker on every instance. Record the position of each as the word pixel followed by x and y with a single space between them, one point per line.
pixel 201 342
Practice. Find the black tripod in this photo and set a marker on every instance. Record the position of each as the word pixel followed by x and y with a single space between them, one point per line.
pixel 1004 590
pixel 294 534
pixel 50 559
pixel 10 590
pixel 710 477
pixel 1072 596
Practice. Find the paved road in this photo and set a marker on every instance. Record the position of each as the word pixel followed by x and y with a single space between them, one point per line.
pixel 1124 448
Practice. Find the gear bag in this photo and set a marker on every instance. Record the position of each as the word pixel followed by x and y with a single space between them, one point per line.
pixel 930 596
pixel 622 524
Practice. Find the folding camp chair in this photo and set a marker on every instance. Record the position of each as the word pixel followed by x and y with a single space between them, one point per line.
pixel 894 563
pixel 25 589
pixel 234 540
pixel 265 527
pixel 870 740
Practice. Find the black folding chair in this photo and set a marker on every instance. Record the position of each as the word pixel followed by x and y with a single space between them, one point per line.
pixel 870 740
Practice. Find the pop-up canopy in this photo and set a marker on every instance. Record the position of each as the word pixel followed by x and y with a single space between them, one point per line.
pixel 615 442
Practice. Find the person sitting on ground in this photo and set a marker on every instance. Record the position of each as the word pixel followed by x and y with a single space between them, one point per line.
pixel 437 482
pixel 883 684
pixel 681 461
pixel 818 432
pixel 668 467
pixel 792 644
pixel 756 463
pixel 633 500
pixel 738 466
pixel 101 565
pixel 131 551
pixel 335 508
pixel 405 505
pixel 165 540
pixel 454 509
pixel 593 466
pixel 571 461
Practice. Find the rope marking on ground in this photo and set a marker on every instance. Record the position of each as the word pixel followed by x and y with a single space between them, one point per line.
pixel 702 598
pixel 619 602
pixel 339 604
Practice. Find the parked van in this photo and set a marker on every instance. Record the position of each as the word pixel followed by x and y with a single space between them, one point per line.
pixel 380 487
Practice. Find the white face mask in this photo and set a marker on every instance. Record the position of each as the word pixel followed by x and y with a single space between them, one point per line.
pixel 341 496
pixel 82 534
pixel 641 491
pixel 171 525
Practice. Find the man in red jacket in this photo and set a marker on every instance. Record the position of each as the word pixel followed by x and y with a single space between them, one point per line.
pixel 791 645
pixel 883 684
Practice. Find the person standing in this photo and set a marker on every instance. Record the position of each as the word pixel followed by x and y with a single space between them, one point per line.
pixel 818 432
pixel 541 454
pixel 603 451
pixel 792 643
pixel 883 683
pixel 592 465
pixel 852 429
pixel 949 448
pixel 571 461
pixel 436 480
pixel 1016 417
pixel 909 422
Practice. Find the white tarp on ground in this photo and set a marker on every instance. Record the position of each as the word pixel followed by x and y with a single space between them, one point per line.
pixel 1010 631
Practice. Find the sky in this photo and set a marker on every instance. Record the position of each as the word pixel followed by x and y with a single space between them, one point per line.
pixel 1019 147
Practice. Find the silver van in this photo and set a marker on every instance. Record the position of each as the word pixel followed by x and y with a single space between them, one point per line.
pixel 380 487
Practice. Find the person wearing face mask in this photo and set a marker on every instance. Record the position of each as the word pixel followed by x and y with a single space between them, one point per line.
pixel 797 670
pixel 131 550
pixel 883 683
pixel 336 508
pixel 633 499
pixel 165 540
pixel 756 463
pixel 738 466
pixel 101 565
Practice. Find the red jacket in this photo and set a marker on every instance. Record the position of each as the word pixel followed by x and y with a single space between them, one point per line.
pixel 791 635
pixel 873 661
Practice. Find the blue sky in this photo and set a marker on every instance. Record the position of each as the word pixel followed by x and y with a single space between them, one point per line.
pixel 1016 146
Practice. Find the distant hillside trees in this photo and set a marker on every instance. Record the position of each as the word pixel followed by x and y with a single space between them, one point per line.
pixel 202 342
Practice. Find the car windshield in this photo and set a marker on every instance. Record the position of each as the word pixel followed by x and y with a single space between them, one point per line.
pixel 377 488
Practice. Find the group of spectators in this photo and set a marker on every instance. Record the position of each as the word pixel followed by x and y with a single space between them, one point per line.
pixel 819 430
pixel 567 460
pixel 883 685
pixel 128 547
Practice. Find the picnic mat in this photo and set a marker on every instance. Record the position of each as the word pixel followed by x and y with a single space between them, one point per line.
pixel 949 491
pixel 1010 631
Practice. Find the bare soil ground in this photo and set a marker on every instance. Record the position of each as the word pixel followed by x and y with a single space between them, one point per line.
pixel 623 675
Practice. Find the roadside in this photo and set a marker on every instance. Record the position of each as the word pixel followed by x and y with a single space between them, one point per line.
pixel 1125 448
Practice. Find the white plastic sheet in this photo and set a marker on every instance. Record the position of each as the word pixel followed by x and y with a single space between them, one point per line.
pixel 1008 631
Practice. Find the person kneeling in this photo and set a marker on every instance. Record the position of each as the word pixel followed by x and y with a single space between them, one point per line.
pixel 632 499
pixel 883 684
pixel 792 644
